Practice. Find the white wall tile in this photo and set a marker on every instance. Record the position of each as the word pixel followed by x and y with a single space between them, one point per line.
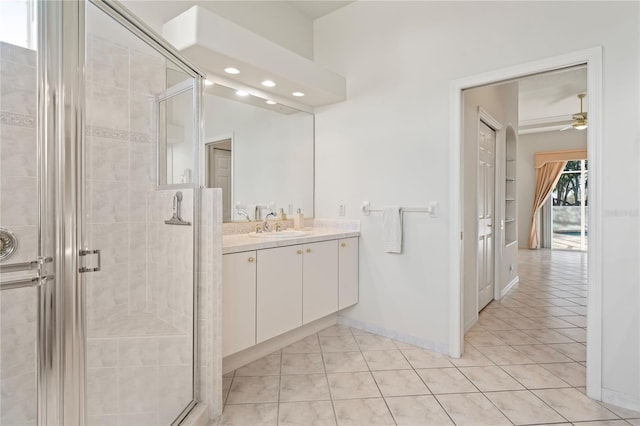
pixel 102 391
pixel 138 352
pixel 109 63
pixel 108 159
pixel 18 400
pixel 18 155
pixel 102 353
pixel 175 350
pixel 19 200
pixel 17 88
pixel 108 107
pixel 138 387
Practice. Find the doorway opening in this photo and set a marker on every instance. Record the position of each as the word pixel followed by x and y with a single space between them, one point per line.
pixel 592 59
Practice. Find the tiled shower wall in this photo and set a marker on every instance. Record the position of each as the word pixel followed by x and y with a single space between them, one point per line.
pixel 140 306
pixel 18 212
pixel 121 84
pixel 210 299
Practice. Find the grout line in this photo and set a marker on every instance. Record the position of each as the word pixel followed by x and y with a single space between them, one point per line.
pixel 279 389
pixel 375 381
pixel 326 377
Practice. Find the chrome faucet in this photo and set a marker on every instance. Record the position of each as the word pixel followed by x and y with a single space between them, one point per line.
pixel 243 213
pixel 265 225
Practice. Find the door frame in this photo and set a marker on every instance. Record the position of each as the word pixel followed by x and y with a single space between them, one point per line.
pixel 204 159
pixel 498 128
pixel 203 162
pixel 592 57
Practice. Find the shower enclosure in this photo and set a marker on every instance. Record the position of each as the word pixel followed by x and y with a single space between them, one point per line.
pixel 99 297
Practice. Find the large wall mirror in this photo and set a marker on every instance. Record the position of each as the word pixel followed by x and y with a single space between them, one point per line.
pixel 259 153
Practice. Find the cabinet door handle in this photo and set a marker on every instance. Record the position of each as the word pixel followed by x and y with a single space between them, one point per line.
pixel 299 251
pixel 308 250
pixel 343 244
pixel 251 260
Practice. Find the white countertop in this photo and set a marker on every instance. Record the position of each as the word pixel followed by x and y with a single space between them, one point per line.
pixel 236 243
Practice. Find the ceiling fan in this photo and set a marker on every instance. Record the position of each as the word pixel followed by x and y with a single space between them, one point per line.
pixel 579 119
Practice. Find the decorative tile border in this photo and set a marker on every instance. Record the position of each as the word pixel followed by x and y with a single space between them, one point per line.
pixel 103 132
pixel 141 137
pixel 18 120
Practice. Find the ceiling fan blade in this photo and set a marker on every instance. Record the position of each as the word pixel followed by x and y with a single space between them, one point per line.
pixel 566 128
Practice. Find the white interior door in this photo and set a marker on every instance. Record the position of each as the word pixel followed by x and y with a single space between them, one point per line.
pixel 486 198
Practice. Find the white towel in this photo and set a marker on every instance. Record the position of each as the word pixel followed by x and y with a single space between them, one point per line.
pixel 251 212
pixel 392 229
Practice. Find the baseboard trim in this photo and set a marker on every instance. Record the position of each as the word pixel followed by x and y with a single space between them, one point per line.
pixel 244 357
pixel 509 286
pixel 470 324
pixel 620 399
pixel 405 338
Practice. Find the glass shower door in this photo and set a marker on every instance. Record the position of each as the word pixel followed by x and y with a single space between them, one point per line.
pixel 139 308
pixel 23 275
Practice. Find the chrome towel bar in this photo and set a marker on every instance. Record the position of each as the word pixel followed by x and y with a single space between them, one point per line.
pixel 432 209
pixel 35 281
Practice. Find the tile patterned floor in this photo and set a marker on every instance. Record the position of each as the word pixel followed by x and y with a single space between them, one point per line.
pixel 524 363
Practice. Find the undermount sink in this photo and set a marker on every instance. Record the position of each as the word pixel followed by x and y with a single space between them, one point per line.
pixel 276 235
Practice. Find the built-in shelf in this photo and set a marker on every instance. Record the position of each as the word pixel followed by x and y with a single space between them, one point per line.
pixel 510 230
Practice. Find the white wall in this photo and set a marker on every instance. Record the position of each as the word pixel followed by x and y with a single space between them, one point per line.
pixel 272 152
pixel 392 136
pixel 273 20
pixel 501 103
pixel 528 145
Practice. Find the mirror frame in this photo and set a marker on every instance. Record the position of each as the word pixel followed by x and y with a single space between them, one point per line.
pixel 161 152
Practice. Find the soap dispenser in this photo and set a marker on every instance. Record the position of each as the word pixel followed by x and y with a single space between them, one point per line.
pixel 298 220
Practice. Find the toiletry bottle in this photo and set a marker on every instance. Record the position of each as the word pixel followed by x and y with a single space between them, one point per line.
pixel 298 220
pixel 283 215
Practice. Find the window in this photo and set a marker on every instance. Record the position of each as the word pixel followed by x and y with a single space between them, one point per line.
pixel 18 23
pixel 569 208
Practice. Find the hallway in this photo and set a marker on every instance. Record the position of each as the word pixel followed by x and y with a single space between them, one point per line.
pixel 524 363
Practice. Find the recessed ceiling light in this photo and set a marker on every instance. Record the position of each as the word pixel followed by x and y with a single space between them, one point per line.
pixel 270 102
pixel 208 83
pixel 298 94
pixel 232 70
pixel 268 83
pixel 242 93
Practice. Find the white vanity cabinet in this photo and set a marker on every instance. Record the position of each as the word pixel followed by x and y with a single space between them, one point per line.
pixel 279 291
pixel 239 301
pixel 270 291
pixel 319 280
pixel 348 272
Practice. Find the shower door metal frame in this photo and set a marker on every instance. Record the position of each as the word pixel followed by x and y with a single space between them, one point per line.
pixel 61 102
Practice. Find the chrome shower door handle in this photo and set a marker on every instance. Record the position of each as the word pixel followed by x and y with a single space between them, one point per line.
pixel 98 266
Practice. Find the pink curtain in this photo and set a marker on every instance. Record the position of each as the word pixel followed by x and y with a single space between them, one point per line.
pixel 547 176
